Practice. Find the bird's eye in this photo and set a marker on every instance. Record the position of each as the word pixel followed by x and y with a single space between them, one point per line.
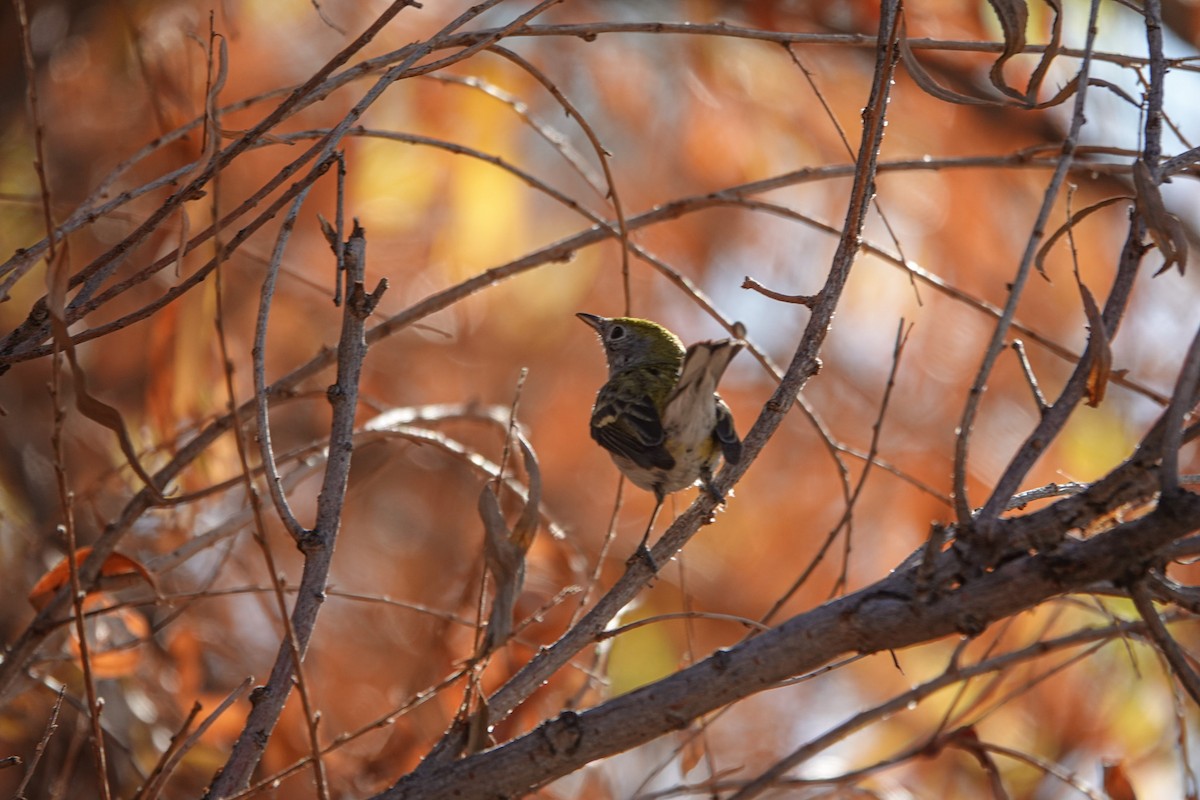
pixel 616 333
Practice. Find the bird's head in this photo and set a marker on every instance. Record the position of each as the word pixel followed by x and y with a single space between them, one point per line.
pixel 630 342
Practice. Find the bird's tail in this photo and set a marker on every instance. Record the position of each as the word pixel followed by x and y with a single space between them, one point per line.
pixel 703 365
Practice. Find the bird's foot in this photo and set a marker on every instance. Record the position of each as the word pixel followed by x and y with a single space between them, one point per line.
pixel 713 492
pixel 643 554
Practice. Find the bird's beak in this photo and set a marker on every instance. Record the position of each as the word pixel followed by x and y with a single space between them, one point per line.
pixel 591 319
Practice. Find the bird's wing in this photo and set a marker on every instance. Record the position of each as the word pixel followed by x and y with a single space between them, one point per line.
pixel 636 433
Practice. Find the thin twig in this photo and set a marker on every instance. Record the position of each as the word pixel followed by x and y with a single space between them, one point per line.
pixel 1166 644
pixel 799 299
pixel 547 132
pixel 306 94
pixel 610 535
pixel 66 499
pixel 180 746
pixel 685 615
pixel 1097 638
pixel 386 720
pixel 731 196
pixel 262 395
pixel 872 451
pixel 1052 422
pixel 602 155
pixel 841 132
pixel 847 517
pixel 243 450
pixel 31 98
pixel 40 749
pixel 954 293
pixel 962 505
pixel 1030 379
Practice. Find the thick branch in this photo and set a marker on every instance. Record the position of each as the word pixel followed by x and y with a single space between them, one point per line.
pixel 885 616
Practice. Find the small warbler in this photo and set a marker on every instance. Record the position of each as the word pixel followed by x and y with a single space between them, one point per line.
pixel 659 415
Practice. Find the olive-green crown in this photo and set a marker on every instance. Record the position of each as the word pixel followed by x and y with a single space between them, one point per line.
pixel 631 342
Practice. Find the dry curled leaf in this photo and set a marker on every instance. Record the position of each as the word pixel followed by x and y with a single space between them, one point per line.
pixel 928 84
pixel 1101 367
pixel 102 413
pixel 1014 19
pixel 504 550
pixel 1013 16
pixel 1164 228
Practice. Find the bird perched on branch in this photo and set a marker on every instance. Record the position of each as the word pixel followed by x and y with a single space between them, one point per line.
pixel 659 415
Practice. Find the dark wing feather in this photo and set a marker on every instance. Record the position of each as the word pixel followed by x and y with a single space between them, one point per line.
pixel 731 446
pixel 636 433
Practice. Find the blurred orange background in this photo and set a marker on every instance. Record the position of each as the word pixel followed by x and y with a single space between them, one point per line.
pixel 680 115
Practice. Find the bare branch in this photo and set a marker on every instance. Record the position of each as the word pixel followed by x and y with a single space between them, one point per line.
pixel 1166 643
pixel 1006 485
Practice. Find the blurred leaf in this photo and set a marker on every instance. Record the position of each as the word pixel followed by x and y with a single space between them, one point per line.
pixel 117 572
pixel 187 656
pixel 692 750
pixel 1091 444
pixel 483 198
pixel 642 654
pixel 112 638
pixel 1116 782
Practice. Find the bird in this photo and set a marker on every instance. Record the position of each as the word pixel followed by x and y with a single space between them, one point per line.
pixel 658 415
